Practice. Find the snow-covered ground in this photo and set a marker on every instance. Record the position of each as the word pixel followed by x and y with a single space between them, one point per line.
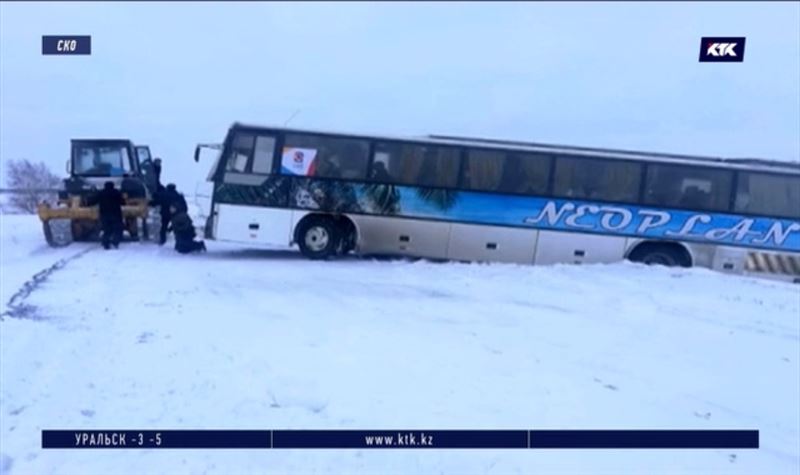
pixel 144 338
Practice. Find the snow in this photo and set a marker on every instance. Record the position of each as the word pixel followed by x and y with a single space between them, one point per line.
pixel 144 338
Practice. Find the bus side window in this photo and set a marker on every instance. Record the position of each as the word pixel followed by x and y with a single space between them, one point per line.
pixel 264 154
pixel 525 174
pixel 380 169
pixel 694 197
pixel 241 150
pixel 401 161
pixel 440 167
pixel 497 171
pixel 354 157
pixel 515 177
pixel 688 187
pixel 483 170
pixel 426 173
pixel 329 164
pixel 768 194
pixel 333 157
pixel 420 165
pixel 742 202
pixel 589 178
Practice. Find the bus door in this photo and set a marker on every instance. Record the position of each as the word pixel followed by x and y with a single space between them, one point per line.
pixel 240 217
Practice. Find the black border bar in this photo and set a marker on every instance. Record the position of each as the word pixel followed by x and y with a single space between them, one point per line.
pixel 644 439
pixel 400 439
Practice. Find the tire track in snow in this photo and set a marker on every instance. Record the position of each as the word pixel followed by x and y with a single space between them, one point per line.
pixel 16 306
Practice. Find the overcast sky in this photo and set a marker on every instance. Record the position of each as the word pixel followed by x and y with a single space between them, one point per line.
pixel 620 75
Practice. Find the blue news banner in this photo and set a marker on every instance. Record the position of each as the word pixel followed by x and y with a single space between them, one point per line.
pixel 400 439
pixel 66 45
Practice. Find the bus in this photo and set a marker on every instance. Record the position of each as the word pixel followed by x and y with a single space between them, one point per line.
pixel 477 199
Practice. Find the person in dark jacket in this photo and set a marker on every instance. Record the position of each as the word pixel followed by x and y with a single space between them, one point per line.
pixel 110 201
pixel 184 231
pixel 169 202
pixel 157 173
pixel 179 204
pixel 379 172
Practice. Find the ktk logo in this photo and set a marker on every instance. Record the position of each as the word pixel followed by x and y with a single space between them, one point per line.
pixel 722 50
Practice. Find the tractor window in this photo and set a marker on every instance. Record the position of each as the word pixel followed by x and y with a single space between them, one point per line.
pixel 143 154
pixel 102 161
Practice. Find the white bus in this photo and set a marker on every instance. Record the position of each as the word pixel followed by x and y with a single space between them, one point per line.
pixel 490 200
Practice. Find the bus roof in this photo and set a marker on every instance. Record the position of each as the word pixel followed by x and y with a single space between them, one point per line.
pixel 751 164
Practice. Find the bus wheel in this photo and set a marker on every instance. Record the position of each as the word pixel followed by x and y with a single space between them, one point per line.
pixel 670 255
pixel 347 236
pixel 318 237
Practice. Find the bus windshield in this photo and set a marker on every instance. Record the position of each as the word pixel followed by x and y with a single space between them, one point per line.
pixel 105 160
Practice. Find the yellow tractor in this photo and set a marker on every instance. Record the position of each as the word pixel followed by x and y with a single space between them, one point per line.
pixel 94 162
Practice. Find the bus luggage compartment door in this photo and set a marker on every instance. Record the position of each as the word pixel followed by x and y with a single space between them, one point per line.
pixel 411 237
pixel 729 259
pixel 555 247
pixel 491 243
pixel 254 224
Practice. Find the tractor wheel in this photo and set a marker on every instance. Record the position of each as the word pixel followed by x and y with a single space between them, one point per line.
pixel 151 226
pixel 57 232
pixel 145 230
pixel 85 230
pixel 132 226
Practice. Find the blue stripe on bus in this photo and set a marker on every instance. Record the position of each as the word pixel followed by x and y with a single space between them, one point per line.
pixel 520 211
pixel 602 218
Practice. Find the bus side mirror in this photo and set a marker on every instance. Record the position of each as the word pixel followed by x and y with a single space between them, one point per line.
pixel 197 154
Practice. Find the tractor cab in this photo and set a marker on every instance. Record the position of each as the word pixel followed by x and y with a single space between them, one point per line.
pixel 103 158
pixel 92 163
pixel 96 161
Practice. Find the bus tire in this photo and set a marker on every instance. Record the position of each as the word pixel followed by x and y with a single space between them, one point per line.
pixel 318 237
pixel 347 236
pixel 665 254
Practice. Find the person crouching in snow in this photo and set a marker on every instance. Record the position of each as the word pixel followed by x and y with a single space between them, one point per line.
pixel 183 228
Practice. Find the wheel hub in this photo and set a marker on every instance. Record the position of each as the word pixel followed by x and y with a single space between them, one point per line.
pixel 317 238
